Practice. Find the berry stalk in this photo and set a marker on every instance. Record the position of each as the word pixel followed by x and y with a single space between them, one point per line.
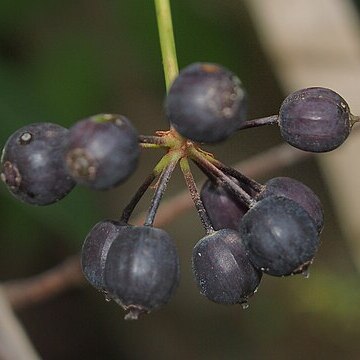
pixel 160 189
pixel 149 141
pixel 198 158
pixel 161 165
pixel 194 193
pixel 137 197
pixel 269 120
pixel 354 119
pixel 254 185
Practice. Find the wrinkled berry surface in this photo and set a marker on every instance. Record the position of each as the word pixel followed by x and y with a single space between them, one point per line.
pixel 315 119
pixel 32 164
pixel 142 269
pixel 102 151
pixel 298 192
pixel 95 249
pixel 280 235
pixel 206 103
pixel 222 269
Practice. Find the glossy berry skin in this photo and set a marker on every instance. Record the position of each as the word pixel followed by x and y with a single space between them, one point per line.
pixel 95 249
pixel 298 192
pixel 223 209
pixel 142 269
pixel 206 103
pixel 222 269
pixel 281 237
pixel 32 164
pixel 315 119
pixel 102 151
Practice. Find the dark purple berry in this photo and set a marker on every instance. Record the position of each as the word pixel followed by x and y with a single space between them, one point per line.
pixel 222 268
pixel 95 250
pixel 223 208
pixel 102 151
pixel 315 119
pixel 281 237
pixel 32 164
pixel 206 103
pixel 298 192
pixel 142 269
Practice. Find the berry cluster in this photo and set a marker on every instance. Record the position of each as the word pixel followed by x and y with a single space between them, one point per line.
pixel 42 162
pixel 251 228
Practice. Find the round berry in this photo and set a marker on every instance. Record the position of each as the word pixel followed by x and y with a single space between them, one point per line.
pixel 223 270
pixel 315 119
pixel 280 236
pixel 224 210
pixel 102 151
pixel 298 192
pixel 95 250
pixel 206 103
pixel 32 164
pixel 142 269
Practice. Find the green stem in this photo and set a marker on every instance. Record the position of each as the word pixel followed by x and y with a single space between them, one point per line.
pixel 152 140
pixel 167 42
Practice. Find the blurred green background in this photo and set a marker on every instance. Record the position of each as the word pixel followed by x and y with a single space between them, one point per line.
pixel 62 61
